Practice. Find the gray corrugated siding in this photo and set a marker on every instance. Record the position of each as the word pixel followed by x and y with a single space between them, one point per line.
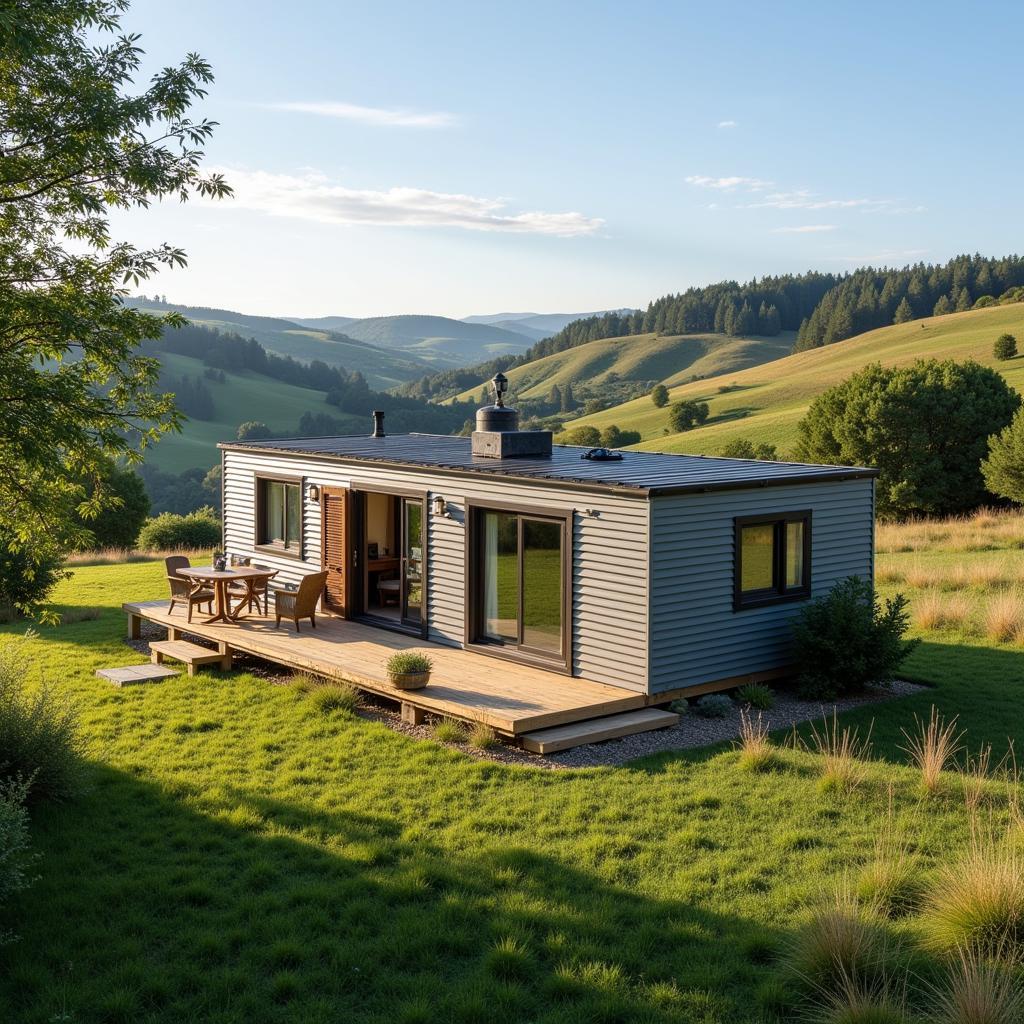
pixel 610 579
pixel 696 636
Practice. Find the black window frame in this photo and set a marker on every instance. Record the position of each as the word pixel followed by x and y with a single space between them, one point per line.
pixel 297 548
pixel 779 592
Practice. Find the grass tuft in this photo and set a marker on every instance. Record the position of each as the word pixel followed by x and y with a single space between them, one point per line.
pixel 1004 616
pixel 757 752
pixel 843 755
pixel 509 959
pixel 852 1000
pixel 339 696
pixel 450 730
pixel 935 611
pixel 483 737
pixel 890 881
pixel 932 747
pixel 757 696
pixel 978 991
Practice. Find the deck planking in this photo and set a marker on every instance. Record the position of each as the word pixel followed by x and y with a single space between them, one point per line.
pixel 510 697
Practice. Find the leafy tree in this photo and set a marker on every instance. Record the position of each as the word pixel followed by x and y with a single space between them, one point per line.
pixel 984 301
pixel 26 578
pixel 119 522
pixel 555 397
pixel 253 430
pixel 589 437
pixel 613 437
pixel 741 448
pixel 943 306
pixel 1003 470
pixel 925 427
pixel 212 483
pixel 659 395
pixel 686 414
pixel 75 142
pixel 568 403
pixel 903 313
pixel 1005 347
pixel 166 532
pixel 963 300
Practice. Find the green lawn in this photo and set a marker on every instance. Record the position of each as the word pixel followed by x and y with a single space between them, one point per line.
pixel 242 857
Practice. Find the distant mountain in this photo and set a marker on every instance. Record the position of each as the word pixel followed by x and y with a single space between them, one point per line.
pixel 545 324
pixel 324 323
pixel 382 369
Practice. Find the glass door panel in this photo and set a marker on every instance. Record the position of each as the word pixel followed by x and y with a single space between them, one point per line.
pixel 542 585
pixel 412 561
pixel 500 577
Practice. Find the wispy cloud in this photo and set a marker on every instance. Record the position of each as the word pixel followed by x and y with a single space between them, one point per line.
pixel 386 116
pixel 767 195
pixel 729 184
pixel 804 229
pixel 727 124
pixel 312 196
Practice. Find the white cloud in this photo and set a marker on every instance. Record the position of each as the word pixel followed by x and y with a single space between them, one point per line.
pixel 312 196
pixel 804 229
pixel 728 184
pixel 388 117
pixel 727 124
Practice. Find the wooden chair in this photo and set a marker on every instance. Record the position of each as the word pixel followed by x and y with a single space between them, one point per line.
pixel 252 592
pixel 183 590
pixel 301 603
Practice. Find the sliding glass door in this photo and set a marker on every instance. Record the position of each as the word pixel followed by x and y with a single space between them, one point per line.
pixel 520 582
pixel 412 561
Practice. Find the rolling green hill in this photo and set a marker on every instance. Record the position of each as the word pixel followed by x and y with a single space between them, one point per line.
pixel 382 369
pixel 643 357
pixel 244 396
pixel 765 402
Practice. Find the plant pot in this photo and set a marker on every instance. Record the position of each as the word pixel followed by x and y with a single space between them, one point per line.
pixel 410 680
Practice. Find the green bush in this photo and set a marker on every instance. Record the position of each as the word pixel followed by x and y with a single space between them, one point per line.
pixel 1005 347
pixel 168 531
pixel 14 857
pixel 26 579
pixel 846 640
pixel 336 697
pixel 659 395
pixel 407 662
pixel 117 526
pixel 714 705
pixel 757 696
pixel 40 740
pixel 687 414
pixel 1003 470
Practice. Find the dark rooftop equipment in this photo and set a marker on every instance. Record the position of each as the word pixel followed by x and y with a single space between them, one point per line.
pixel 497 434
pixel 601 455
pixel 378 423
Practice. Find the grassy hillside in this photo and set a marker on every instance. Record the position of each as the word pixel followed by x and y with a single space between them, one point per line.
pixel 245 396
pixel 381 369
pixel 765 403
pixel 642 357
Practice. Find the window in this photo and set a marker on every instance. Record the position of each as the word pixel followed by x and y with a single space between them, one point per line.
pixel 773 559
pixel 518 575
pixel 279 514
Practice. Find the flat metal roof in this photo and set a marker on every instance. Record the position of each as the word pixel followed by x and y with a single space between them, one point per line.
pixel 638 473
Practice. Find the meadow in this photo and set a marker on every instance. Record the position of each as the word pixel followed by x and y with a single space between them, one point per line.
pixel 765 403
pixel 245 852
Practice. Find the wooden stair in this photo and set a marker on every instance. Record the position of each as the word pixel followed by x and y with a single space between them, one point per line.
pixel 594 730
pixel 191 654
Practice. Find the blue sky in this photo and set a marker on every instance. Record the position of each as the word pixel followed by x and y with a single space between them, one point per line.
pixel 458 158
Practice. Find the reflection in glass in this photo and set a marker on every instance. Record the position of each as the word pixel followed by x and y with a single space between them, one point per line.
pixel 794 554
pixel 500 577
pixel 292 515
pixel 542 585
pixel 412 510
pixel 757 557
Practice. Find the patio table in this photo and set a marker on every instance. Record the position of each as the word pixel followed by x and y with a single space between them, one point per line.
pixel 220 578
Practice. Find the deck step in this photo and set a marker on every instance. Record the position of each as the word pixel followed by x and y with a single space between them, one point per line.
pixel 191 654
pixel 593 730
pixel 128 675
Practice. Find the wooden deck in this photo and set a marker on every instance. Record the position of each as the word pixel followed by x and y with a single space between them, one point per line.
pixel 509 697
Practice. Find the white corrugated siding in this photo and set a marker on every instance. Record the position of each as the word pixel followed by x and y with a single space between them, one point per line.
pixel 696 636
pixel 609 579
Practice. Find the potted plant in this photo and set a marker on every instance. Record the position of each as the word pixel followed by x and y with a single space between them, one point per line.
pixel 220 562
pixel 409 670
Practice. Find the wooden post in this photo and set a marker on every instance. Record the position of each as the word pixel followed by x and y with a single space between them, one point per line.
pixel 156 657
pixel 226 655
pixel 173 633
pixel 413 715
pixel 134 626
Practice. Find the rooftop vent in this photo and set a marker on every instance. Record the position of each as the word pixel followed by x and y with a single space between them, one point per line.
pixel 378 423
pixel 497 434
pixel 602 455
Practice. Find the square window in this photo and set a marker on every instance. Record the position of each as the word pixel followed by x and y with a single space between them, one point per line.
pixel 772 559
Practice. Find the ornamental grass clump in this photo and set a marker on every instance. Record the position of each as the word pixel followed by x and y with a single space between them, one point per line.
pixel 843 754
pixel 978 990
pixel 483 737
pixel 932 747
pixel 757 752
pixel 450 730
pixel 757 695
pixel 714 705
pixel 851 1000
pixel 336 697
pixel 891 881
pixel 408 663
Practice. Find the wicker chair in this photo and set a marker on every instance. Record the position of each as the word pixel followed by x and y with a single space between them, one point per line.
pixel 183 590
pixel 301 603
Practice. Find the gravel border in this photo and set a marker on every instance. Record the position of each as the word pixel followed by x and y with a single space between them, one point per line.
pixel 691 732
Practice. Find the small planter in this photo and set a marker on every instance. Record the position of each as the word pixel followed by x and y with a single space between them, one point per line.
pixel 408 670
pixel 409 680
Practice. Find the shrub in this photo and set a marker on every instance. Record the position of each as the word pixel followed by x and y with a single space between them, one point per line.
pixel 932 747
pixel 253 430
pixel 756 750
pixel 408 663
pixel 978 991
pixel 483 737
pixel 613 437
pixel 680 706
pixel 26 579
pixel 168 531
pixel 588 437
pixel 336 697
pixel 846 641
pixel 1005 347
pixel 925 427
pixel 757 696
pixel 686 414
pixel 117 525
pixel 741 448
pixel 450 730
pixel 39 733
pixel 659 395
pixel 14 842
pixel 714 705
pixel 843 755
pixel 978 901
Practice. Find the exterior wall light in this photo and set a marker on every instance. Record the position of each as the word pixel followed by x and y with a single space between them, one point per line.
pixel 440 507
pixel 314 492
pixel 499 384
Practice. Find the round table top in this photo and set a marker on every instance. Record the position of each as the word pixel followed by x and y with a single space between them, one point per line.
pixel 238 572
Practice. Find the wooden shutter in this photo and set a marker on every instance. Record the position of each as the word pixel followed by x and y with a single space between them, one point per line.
pixel 336 522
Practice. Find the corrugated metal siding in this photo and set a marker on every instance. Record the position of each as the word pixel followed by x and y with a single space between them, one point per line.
pixel 610 578
pixel 696 636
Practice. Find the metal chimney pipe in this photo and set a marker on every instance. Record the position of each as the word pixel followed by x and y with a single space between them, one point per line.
pixel 378 423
